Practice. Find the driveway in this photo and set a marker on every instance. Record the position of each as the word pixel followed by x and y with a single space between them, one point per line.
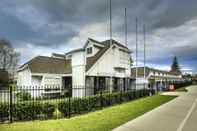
pixel 179 114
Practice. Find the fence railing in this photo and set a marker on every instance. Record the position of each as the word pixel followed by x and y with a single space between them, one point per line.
pixel 24 103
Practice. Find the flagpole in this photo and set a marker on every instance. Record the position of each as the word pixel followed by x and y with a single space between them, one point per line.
pixel 144 30
pixel 125 26
pixel 110 18
pixel 110 23
pixel 126 80
pixel 136 75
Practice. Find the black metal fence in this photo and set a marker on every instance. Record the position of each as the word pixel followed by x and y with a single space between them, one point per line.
pixel 52 102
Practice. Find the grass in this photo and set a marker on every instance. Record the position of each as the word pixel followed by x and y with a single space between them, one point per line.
pixel 103 120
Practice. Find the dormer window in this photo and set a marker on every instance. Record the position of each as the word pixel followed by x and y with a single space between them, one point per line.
pixel 89 50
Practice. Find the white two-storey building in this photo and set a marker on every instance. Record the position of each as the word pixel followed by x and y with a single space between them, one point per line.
pixel 96 66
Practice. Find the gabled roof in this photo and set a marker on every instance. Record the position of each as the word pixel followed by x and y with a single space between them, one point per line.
pixel 90 61
pixel 116 43
pixel 94 41
pixel 43 64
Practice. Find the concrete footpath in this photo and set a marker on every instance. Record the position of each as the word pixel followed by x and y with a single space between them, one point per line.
pixel 179 114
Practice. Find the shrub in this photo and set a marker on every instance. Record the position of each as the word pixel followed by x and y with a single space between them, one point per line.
pixel 27 111
pixel 23 96
pixel 115 98
pixel 63 107
pixel 48 109
pixel 4 110
pixel 93 102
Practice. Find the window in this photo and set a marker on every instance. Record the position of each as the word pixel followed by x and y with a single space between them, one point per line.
pixel 89 50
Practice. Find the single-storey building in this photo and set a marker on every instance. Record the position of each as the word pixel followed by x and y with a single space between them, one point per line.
pixel 154 78
pixel 95 66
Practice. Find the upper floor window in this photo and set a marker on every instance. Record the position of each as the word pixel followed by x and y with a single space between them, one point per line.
pixel 89 50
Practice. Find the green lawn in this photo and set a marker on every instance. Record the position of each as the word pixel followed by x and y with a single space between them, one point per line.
pixel 103 120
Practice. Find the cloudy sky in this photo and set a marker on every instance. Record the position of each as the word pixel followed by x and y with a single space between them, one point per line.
pixel 40 27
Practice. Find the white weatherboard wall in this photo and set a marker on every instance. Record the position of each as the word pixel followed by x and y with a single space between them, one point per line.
pixel 78 74
pixel 105 66
pixel 24 77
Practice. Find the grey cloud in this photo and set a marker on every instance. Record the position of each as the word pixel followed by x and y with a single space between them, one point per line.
pixel 52 23
pixel 155 13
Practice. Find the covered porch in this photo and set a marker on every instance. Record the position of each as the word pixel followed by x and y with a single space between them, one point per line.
pixel 95 84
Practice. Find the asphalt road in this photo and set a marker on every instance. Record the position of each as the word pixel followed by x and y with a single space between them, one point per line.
pixel 179 114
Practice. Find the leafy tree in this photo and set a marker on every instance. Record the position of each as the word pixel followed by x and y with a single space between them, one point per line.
pixel 8 56
pixel 175 68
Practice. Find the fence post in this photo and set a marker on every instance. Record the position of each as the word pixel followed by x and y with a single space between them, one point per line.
pixel 109 98
pixel 101 98
pixel 10 111
pixel 135 91
pixel 121 95
pixel 69 103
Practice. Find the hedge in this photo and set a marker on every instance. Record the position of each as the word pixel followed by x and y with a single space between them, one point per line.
pixel 4 111
pixel 86 104
pixel 179 85
pixel 30 111
pixel 23 96
pixel 44 110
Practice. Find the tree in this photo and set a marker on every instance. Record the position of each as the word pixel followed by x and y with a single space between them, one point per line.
pixel 175 68
pixel 131 61
pixel 8 57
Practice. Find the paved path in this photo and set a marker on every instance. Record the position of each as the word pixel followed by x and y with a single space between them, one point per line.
pixel 179 114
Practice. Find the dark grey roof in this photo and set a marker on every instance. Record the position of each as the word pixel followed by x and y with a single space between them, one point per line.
pixel 115 42
pixel 43 64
